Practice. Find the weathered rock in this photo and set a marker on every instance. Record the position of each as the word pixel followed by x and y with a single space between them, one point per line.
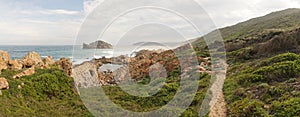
pixel 15 64
pixel 32 59
pixel 26 72
pixel 48 61
pixel 4 58
pixel 66 65
pixel 3 84
pixel 85 75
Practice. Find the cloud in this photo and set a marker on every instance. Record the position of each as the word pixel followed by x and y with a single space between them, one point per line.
pixel 26 22
pixel 51 12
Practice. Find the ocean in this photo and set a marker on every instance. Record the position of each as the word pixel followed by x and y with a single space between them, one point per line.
pixel 75 53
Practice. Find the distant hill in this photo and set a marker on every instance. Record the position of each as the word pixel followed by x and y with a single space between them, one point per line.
pixel 97 45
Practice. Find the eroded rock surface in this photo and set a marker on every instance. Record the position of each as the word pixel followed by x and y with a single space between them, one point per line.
pixel 32 59
pixel 15 64
pixel 26 72
pixel 85 75
pixel 3 83
pixel 66 65
pixel 4 58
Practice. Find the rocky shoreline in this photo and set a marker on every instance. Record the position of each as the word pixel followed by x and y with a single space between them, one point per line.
pixel 133 68
pixel 87 74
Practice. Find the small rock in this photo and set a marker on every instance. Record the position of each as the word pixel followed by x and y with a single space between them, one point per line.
pixel 27 72
pixel 267 106
pixel 3 84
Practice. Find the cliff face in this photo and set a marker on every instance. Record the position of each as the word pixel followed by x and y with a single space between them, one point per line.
pixel 97 45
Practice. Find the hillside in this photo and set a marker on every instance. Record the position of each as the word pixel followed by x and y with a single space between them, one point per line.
pixel 254 31
pixel 263 54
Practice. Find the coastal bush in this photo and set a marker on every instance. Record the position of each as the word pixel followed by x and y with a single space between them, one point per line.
pixel 265 87
pixel 280 58
pixel 281 71
pixel 287 108
pixel 48 92
pixel 248 108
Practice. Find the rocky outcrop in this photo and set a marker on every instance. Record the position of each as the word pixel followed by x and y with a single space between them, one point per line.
pixel 4 59
pixel 48 61
pixel 85 75
pixel 32 59
pixel 26 72
pixel 15 64
pixel 3 84
pixel 65 64
pixel 97 45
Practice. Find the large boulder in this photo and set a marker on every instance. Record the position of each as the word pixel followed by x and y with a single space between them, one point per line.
pixel 48 61
pixel 66 65
pixel 4 58
pixel 32 59
pixel 3 84
pixel 15 64
pixel 26 72
pixel 85 75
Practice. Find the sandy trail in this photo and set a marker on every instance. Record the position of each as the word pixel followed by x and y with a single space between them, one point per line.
pixel 218 104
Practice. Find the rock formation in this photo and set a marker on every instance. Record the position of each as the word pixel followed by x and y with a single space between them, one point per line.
pixel 15 64
pixel 4 59
pixel 26 72
pixel 65 64
pixel 85 75
pixel 32 59
pixel 48 61
pixel 3 84
pixel 97 45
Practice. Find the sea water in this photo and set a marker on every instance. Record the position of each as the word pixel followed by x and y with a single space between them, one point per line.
pixel 75 52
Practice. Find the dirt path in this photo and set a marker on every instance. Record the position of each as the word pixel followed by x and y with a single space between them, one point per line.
pixel 220 108
pixel 218 104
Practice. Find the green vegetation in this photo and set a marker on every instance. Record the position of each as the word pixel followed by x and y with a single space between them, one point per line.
pixel 146 104
pixel 269 87
pixel 46 93
pixel 49 92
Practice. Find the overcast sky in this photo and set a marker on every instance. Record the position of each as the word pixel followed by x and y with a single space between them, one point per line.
pixel 57 22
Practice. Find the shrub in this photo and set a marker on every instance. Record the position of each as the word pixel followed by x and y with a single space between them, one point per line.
pixel 288 108
pixel 248 107
pixel 280 71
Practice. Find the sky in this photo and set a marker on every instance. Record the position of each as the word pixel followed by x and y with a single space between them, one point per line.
pixel 58 22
